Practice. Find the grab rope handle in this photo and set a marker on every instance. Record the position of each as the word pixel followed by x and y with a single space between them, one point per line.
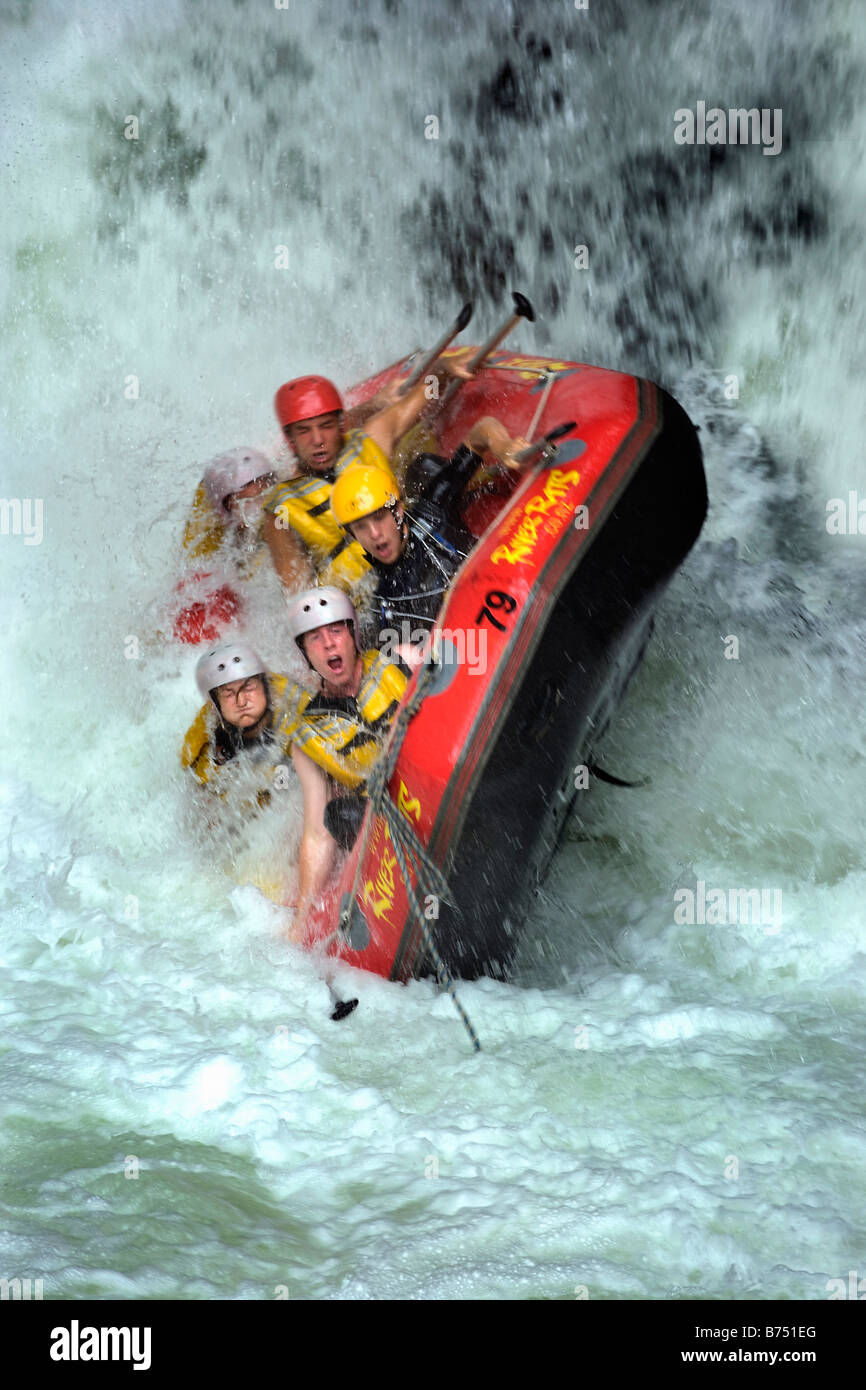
pixel 409 850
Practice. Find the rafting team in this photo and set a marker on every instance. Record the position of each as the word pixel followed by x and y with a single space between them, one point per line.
pixel 339 520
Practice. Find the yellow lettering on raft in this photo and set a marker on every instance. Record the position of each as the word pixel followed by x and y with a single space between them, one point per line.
pixel 521 543
pixel 410 806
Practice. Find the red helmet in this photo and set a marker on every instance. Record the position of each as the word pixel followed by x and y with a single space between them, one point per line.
pixel 305 397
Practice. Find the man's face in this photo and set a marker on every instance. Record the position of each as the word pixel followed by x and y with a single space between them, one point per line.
pixel 243 703
pixel 331 652
pixel 381 534
pixel 317 442
pixel 241 504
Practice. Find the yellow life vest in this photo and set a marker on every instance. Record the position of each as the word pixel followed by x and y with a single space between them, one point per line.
pixel 271 770
pixel 304 504
pixel 205 533
pixel 197 753
pixel 358 447
pixel 345 737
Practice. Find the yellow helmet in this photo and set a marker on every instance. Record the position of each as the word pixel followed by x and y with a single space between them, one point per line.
pixel 360 490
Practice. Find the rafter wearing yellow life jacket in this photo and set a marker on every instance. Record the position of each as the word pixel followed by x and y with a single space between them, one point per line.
pixel 242 773
pixel 204 532
pixel 206 749
pixel 228 507
pixel 303 504
pixel 344 735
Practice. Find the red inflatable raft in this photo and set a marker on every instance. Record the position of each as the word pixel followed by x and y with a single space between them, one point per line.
pixel 541 631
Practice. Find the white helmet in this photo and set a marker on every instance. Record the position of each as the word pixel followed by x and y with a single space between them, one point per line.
pixel 233 662
pixel 318 607
pixel 231 472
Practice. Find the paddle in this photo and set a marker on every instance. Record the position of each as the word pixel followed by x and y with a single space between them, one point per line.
pixel 445 341
pixel 547 442
pixel 325 971
pixel 522 310
pixel 343 1006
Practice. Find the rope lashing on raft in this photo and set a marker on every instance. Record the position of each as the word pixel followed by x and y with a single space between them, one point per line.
pixel 409 850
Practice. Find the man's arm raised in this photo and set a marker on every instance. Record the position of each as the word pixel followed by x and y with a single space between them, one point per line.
pixel 290 558
pixel 390 424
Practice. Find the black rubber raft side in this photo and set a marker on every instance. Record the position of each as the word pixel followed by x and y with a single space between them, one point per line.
pixel 591 646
